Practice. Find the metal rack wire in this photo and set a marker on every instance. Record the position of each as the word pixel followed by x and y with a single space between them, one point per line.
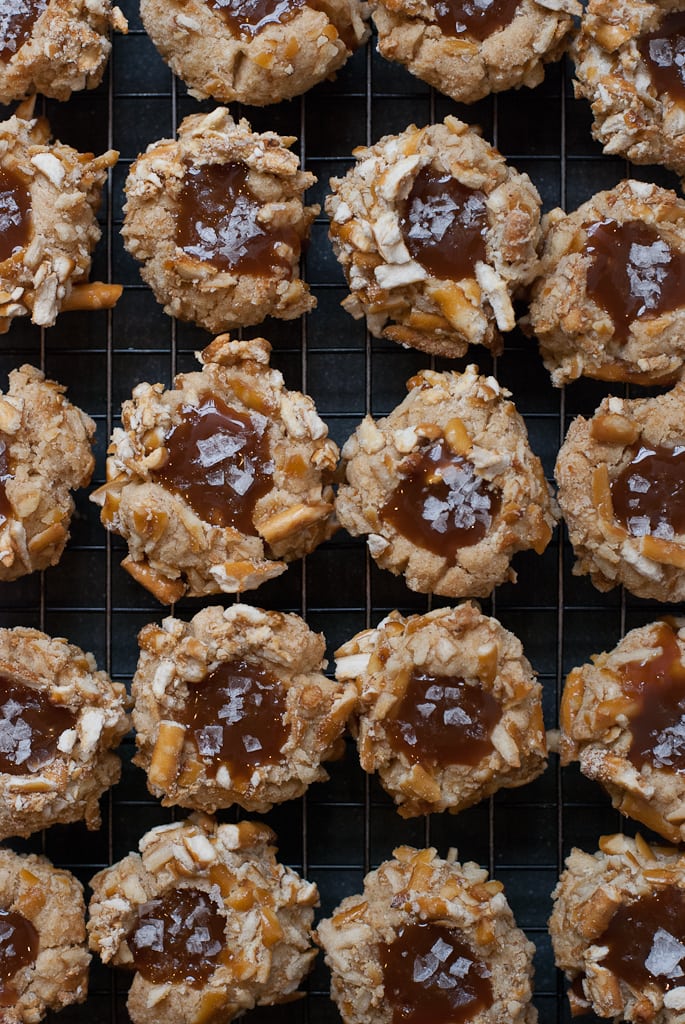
pixel 344 827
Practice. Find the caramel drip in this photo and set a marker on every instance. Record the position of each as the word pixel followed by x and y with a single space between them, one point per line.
pixel 235 717
pixel 473 18
pixel 178 937
pixel 663 51
pixel 18 948
pixel 441 504
pixel 431 976
pixel 648 496
pixel 15 213
pixel 646 940
pixel 17 18
pixel 658 686
pixel 443 224
pixel 218 222
pixel 219 462
pixel 30 726
pixel 634 273
pixel 442 720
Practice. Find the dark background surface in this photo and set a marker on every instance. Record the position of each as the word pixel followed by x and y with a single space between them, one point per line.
pixel 345 827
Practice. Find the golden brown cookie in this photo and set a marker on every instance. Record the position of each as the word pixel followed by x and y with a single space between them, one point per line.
pixel 628 58
pixel 61 719
pixel 232 707
pixel 55 47
pixel 217 221
pixel 470 49
pixel 43 955
pixel 257 53
pixel 622 717
pixel 45 453
pixel 209 920
pixel 219 482
pixel 618 931
pixel 430 937
pixel 449 708
pixel 608 302
pixel 49 195
pixel 446 487
pixel 435 234
pixel 621 477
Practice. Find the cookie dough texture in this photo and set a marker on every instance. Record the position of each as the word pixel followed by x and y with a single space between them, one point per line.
pixel 47 445
pixel 463 67
pixel 281 60
pixel 52 901
pixel 67 787
pixel 417 887
pixel 401 300
pixel 631 118
pixel 593 454
pixel 457 643
pixel 596 731
pixel 65 188
pixel 67 51
pixel 267 907
pixel 172 551
pixel 485 429
pixel 589 892
pixel 193 289
pixel 175 659
pixel 576 335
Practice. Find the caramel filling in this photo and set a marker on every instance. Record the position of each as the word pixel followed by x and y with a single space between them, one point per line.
pixel 235 717
pixel 17 18
pixel 18 948
pixel 5 475
pixel 646 940
pixel 442 720
pixel 15 213
pixel 178 937
pixel 431 976
pixel 476 18
pixel 443 224
pixel 663 51
pixel 648 496
pixel 218 222
pixel 634 273
pixel 246 18
pixel 219 462
pixel 30 727
pixel 658 686
pixel 441 504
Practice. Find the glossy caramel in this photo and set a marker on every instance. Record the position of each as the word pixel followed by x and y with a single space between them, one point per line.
pixel 442 720
pixel 634 273
pixel 5 475
pixel 30 726
pixel 219 461
pixel 473 18
pixel 443 224
pixel 431 976
pixel 17 18
pixel 235 717
pixel 178 937
pixel 18 948
pixel 440 503
pixel 648 495
pixel 15 213
pixel 217 222
pixel 248 17
pixel 646 940
pixel 663 51
pixel 658 687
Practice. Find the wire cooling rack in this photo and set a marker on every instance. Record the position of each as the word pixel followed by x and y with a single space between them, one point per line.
pixel 342 828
